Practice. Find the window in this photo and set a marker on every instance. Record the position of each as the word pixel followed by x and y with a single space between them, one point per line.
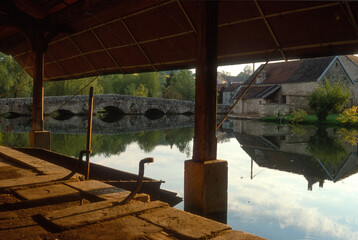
pixel 283 99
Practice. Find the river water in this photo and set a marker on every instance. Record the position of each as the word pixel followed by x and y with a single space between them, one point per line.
pixel 284 182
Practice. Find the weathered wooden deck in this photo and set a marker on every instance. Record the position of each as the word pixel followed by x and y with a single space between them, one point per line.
pixel 36 203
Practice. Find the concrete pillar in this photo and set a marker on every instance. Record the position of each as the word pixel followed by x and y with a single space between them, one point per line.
pixel 38 137
pixel 205 178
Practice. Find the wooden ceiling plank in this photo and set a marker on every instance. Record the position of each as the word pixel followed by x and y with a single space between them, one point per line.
pixel 126 67
pixel 183 33
pixel 333 4
pixel 279 14
pixel 270 29
pixel 120 18
pixel 139 46
pixel 107 51
pixel 117 47
pixel 147 9
pixel 186 15
pixel 58 63
pixel 349 14
pixel 82 54
pixel 286 49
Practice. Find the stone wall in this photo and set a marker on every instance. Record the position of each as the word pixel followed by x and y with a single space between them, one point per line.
pixel 270 109
pixel 79 104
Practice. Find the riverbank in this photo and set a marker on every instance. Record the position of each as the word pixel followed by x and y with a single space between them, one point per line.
pixel 36 202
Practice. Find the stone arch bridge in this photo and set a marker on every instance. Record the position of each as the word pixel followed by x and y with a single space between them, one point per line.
pixel 115 103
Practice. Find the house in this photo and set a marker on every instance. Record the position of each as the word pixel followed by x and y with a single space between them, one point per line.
pixel 286 85
pixel 229 93
pixel 232 87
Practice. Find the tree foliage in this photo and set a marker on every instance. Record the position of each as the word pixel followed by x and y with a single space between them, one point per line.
pixel 328 97
pixel 349 116
pixel 14 81
pixel 184 84
pixel 179 84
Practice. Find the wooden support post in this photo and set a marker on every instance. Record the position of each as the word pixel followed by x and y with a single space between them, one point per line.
pixel 206 83
pixel 38 137
pixel 38 91
pixel 205 177
pixel 89 132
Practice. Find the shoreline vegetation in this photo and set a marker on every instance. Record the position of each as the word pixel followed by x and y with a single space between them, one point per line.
pixel 310 120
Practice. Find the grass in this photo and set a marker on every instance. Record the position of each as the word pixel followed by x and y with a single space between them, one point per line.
pixel 309 120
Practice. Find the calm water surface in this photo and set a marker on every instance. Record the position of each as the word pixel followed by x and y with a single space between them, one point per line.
pixel 284 182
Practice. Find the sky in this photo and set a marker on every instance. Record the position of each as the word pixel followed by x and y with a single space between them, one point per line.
pixel 235 69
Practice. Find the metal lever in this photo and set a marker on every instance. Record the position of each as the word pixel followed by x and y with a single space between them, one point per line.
pixel 79 163
pixel 139 180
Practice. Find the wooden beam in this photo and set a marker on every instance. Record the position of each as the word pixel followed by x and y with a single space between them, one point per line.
pixel 270 29
pixel 205 142
pixel 139 46
pixel 38 88
pixel 349 14
pixel 186 15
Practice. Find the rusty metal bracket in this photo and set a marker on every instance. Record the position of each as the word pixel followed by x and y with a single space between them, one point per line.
pixel 139 180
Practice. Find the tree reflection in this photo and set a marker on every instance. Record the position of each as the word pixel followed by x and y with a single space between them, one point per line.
pixel 72 144
pixel 348 135
pixel 327 150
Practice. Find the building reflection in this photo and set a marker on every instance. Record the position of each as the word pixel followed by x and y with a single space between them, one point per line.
pixel 317 154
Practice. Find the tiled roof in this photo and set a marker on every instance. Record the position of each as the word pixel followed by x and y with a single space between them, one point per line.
pixel 253 92
pixel 350 63
pixel 307 70
pixel 232 87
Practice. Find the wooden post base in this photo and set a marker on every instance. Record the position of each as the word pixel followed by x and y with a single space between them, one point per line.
pixel 205 186
pixel 40 139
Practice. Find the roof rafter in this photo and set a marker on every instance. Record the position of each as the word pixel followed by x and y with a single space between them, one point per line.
pixel 82 54
pixel 188 32
pixel 139 46
pixel 186 15
pixel 107 51
pixel 270 29
pixel 349 14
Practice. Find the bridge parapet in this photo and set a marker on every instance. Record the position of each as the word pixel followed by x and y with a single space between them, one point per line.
pixel 79 104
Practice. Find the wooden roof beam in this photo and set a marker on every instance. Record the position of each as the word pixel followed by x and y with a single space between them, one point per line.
pixel 349 14
pixel 107 51
pixel 82 54
pixel 139 46
pixel 186 16
pixel 270 30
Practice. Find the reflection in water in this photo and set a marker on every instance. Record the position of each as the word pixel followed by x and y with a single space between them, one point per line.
pixel 318 156
pixel 267 174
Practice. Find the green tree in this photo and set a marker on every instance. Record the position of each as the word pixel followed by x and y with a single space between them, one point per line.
pixel 328 97
pixel 71 87
pixel 180 85
pixel 14 81
pixel 184 84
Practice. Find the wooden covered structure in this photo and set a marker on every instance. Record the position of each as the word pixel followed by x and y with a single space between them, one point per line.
pixel 67 39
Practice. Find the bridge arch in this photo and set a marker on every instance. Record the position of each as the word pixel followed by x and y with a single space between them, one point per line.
pixel 154 113
pixel 63 114
pixel 110 114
